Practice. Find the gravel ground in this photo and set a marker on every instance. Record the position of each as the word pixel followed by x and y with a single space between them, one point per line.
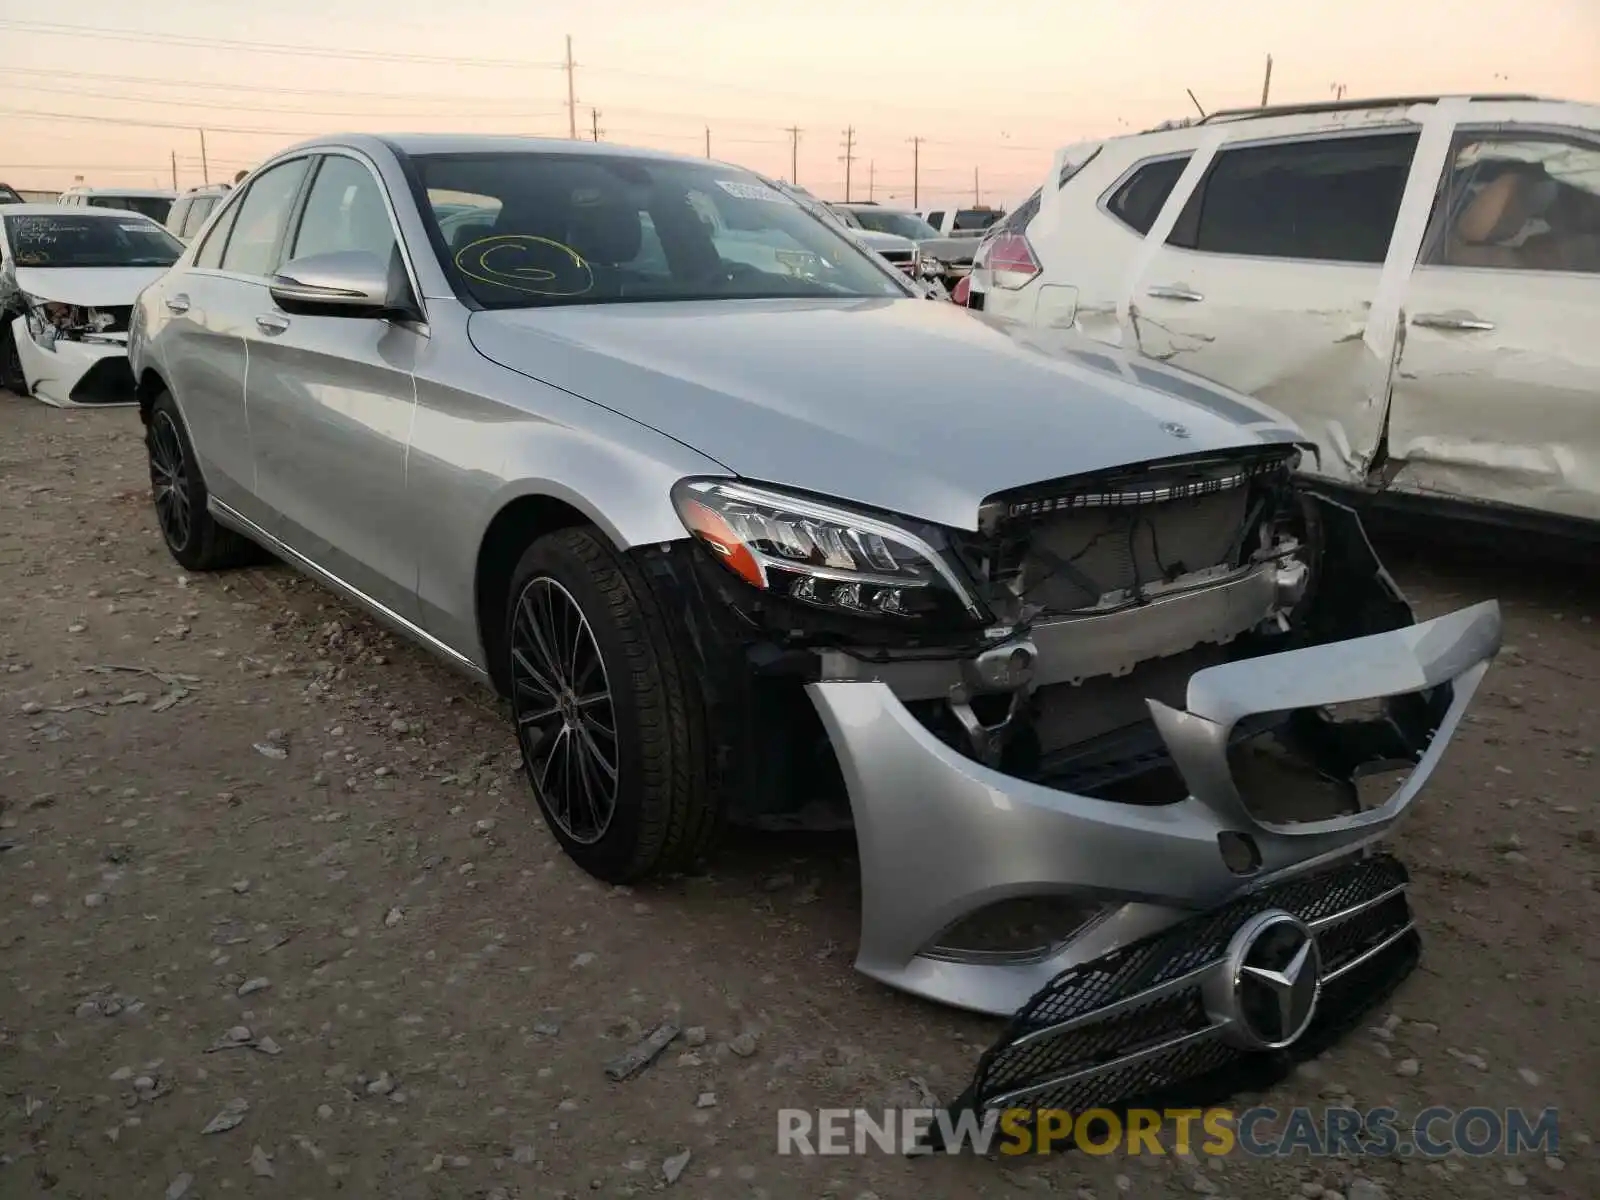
pixel 281 920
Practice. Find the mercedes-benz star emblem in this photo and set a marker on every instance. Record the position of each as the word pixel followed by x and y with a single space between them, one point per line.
pixel 1269 984
pixel 1176 430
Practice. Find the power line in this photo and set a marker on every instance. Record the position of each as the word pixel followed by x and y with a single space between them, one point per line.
pixel 213 85
pixel 104 120
pixel 188 40
pixel 299 112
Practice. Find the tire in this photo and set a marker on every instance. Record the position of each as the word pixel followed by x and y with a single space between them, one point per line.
pixel 11 376
pixel 665 812
pixel 179 493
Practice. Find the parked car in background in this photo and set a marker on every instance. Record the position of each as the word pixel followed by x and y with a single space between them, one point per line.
pixel 154 203
pixel 191 210
pixel 68 280
pixel 962 222
pixel 8 196
pixel 743 529
pixel 949 258
pixel 1414 281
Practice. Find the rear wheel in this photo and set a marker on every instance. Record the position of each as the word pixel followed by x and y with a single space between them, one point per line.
pixel 192 535
pixel 609 714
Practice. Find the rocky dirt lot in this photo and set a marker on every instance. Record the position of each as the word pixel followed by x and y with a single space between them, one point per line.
pixel 281 921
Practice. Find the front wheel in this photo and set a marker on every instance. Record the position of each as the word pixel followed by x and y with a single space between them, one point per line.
pixel 11 377
pixel 192 535
pixel 609 713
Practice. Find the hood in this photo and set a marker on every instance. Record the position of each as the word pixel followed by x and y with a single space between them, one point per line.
pixel 903 405
pixel 875 240
pixel 87 287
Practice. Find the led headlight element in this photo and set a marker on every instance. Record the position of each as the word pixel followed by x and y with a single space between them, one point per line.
pixel 821 554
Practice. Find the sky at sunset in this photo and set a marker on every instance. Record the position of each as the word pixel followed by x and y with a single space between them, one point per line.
pixel 990 89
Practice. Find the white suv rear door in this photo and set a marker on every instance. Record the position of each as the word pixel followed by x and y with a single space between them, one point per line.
pixel 1496 393
pixel 1265 281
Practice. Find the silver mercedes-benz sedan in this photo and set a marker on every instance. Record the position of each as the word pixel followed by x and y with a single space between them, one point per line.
pixel 746 530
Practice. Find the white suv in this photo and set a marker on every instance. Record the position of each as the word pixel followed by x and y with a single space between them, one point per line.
pixel 1416 282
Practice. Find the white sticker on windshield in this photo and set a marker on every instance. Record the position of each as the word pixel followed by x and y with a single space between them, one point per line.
pixel 753 191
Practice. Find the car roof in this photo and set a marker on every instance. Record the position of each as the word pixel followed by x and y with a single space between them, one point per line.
pixel 69 213
pixel 1335 109
pixel 482 143
pixel 162 193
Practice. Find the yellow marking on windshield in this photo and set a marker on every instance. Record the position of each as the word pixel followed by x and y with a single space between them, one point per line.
pixel 472 260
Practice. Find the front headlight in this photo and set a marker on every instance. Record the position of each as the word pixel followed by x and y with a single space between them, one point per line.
pixel 822 554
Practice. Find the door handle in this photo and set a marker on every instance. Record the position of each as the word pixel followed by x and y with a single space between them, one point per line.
pixel 178 305
pixel 1451 320
pixel 271 323
pixel 1175 291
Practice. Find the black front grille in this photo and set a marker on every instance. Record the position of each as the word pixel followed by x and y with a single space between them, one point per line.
pixel 1060 1052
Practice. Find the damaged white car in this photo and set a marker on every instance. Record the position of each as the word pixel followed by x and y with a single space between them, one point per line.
pixel 786 544
pixel 1416 282
pixel 68 281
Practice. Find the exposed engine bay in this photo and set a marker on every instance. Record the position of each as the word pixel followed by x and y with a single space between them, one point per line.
pixel 1096 596
pixel 50 321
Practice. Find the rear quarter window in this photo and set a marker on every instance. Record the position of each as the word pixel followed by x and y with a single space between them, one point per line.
pixel 1137 200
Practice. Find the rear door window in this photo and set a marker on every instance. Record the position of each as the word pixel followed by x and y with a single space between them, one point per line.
pixel 1325 199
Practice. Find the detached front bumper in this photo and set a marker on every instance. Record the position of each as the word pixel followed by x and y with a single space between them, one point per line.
pixel 942 837
pixel 93 373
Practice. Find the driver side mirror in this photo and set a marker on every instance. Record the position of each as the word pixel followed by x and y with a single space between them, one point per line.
pixel 344 283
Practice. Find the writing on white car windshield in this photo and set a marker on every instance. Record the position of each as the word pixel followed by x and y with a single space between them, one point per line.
pixel 69 241
pixel 527 229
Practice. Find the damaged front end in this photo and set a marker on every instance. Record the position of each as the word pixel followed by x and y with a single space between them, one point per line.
pixel 70 354
pixel 1179 692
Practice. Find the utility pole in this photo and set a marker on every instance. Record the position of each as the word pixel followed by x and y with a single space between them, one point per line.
pixel 205 169
pixel 1338 90
pixel 594 123
pixel 848 157
pixel 977 198
pixel 572 93
pixel 916 172
pixel 174 170
pixel 1266 84
pixel 794 155
pixel 708 141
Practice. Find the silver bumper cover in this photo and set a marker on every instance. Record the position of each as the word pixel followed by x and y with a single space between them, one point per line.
pixel 942 836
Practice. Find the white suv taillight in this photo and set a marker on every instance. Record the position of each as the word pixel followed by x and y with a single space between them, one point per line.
pixel 1008 260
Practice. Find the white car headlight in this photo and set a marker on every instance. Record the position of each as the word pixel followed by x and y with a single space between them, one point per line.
pixel 822 554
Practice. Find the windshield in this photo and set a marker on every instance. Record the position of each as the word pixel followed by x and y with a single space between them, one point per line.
pixel 7 196
pixel 76 241
pixel 154 207
pixel 970 219
pixel 907 225
pixel 529 229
